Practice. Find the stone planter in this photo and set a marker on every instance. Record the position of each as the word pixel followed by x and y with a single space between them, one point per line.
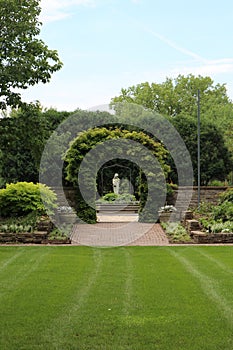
pixel 164 216
pixel 67 218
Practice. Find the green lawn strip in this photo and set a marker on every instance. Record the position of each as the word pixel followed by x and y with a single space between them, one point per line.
pixel 43 290
pixel 95 324
pixel 169 309
pixel 7 256
pixel 128 298
pixel 215 276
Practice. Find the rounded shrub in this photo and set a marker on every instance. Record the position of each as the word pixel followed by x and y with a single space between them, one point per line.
pixel 22 198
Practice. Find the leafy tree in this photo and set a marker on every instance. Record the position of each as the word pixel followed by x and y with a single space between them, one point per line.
pixel 216 160
pixel 179 96
pixel 25 60
pixel 176 99
pixel 23 137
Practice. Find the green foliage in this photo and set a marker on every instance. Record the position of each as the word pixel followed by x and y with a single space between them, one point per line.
pixel 61 234
pixel 110 197
pixel 16 228
pixel 23 137
pixel 23 198
pixel 216 183
pixel 30 219
pixel 85 212
pixel 217 218
pixel 176 232
pixel 213 226
pixel 227 196
pixel 216 160
pixel 178 96
pixel 223 211
pixel 87 140
pixel 25 60
pixel 205 208
pixel 177 100
pixel 125 198
pixel 117 198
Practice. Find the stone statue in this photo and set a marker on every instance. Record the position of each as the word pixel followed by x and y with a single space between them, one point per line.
pixel 116 184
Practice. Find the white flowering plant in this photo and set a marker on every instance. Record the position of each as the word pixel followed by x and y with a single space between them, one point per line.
pixel 167 209
pixel 65 209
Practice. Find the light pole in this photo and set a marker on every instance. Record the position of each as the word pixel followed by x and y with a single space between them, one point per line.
pixel 198 149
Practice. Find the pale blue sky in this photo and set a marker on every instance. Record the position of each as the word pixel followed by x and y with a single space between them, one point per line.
pixel 107 45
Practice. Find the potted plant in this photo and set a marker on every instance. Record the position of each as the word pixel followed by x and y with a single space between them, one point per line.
pixel 66 214
pixel 165 213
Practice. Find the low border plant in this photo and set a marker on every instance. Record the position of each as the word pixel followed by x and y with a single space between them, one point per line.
pixel 117 198
pixel 176 232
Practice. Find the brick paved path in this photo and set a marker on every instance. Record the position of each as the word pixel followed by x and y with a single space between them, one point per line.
pixel 119 234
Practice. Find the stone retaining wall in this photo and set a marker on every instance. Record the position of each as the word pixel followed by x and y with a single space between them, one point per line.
pixel 35 237
pixel 208 194
pixel 213 238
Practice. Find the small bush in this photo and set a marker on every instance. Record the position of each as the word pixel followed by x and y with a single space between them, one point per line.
pixel 125 198
pixel 223 211
pixel 61 234
pixel 110 197
pixel 212 226
pixel 118 198
pixel 23 198
pixel 216 183
pixel 176 232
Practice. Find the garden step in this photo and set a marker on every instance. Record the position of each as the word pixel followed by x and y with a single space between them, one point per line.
pixel 192 225
pixel 117 207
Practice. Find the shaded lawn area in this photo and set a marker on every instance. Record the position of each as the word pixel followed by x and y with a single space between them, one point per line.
pixel 131 298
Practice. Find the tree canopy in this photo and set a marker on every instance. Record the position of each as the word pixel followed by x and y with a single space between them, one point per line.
pixel 23 136
pixel 25 59
pixel 176 99
pixel 216 160
pixel 178 96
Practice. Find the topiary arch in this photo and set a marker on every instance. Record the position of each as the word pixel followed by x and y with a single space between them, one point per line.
pixel 82 167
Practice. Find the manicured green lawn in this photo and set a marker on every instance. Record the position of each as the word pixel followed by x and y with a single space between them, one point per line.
pixel 131 298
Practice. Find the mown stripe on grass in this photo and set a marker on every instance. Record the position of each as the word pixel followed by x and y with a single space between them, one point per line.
pixel 56 333
pixel 21 271
pixel 216 262
pixel 11 259
pixel 128 283
pixel 208 286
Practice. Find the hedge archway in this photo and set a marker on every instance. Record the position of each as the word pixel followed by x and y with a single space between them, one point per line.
pixel 87 141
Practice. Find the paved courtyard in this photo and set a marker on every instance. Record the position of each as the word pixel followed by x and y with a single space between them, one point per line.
pixel 110 234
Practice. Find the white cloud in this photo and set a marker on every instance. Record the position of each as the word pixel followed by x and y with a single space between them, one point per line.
pixel 213 67
pixel 200 65
pixel 54 10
